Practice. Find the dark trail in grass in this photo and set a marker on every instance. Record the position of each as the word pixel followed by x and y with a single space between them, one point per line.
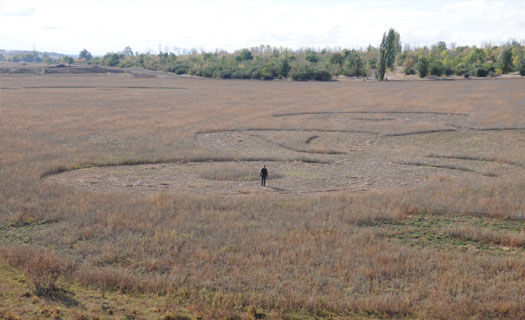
pixel 365 112
pixel 486 129
pixel 283 130
pixel 62 169
pixel 284 146
pixel 101 88
pixel 417 132
pixel 497 129
pixel 433 165
pixel 465 157
pixel 310 139
pixel 323 130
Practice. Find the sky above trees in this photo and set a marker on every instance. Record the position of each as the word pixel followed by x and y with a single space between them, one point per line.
pixel 102 26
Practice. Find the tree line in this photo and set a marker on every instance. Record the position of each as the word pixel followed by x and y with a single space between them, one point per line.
pixel 266 63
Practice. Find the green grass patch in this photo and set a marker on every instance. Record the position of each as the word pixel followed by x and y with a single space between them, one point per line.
pixel 445 231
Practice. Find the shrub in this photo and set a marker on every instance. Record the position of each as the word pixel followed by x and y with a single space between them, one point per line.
pixel 448 70
pixel 436 68
pixel 312 57
pixel 269 71
pixel 245 54
pixel 505 59
pixel 461 69
pixel 409 65
pixel 353 65
pixel 481 72
pixel 521 65
pixel 68 59
pixel 178 68
pixel 302 75
pixel 322 75
pixel 301 71
pixel 111 59
pixel 241 74
pixel 284 68
pixel 256 74
pixel 422 67
pixel 337 58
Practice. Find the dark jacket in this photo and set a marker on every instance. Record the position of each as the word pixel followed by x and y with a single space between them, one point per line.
pixel 264 172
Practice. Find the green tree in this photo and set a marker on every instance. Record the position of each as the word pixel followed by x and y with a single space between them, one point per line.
pixel 127 51
pixel 245 54
pixel 312 57
pixel 353 65
pixel 410 65
pixel 68 59
pixel 505 59
pixel 86 55
pixel 337 58
pixel 381 64
pixel 393 47
pixel 112 59
pixel 422 67
pixel 521 64
pixel 284 67
pixel 437 68
pixel 390 46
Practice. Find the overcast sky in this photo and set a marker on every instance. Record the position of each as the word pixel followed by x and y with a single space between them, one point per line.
pixel 110 25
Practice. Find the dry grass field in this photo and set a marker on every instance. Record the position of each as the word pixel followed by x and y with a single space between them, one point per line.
pixel 395 199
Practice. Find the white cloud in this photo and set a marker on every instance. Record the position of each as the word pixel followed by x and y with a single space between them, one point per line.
pixel 110 25
pixel 25 12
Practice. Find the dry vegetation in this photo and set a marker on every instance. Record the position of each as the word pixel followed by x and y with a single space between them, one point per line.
pixel 118 184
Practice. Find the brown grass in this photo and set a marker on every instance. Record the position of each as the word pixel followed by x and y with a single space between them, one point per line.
pixel 326 254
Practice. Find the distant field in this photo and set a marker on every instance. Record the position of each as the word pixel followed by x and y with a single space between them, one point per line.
pixel 396 199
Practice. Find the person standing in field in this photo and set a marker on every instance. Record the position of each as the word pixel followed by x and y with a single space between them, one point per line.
pixel 264 175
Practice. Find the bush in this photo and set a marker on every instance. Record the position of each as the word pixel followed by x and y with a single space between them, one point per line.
pixel 409 65
pixel 111 59
pixel 256 74
pixel 68 59
pixel 269 71
pixel 302 75
pixel 312 57
pixel 521 65
pixel 436 68
pixel 353 65
pixel 241 74
pixel 284 68
pixel 422 67
pixel 481 72
pixel 322 75
pixel 505 59
pixel 178 68
pixel 448 70
pixel 245 54
pixel 337 58
pixel 461 69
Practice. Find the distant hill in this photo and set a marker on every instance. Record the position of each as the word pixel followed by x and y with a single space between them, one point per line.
pixel 53 55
